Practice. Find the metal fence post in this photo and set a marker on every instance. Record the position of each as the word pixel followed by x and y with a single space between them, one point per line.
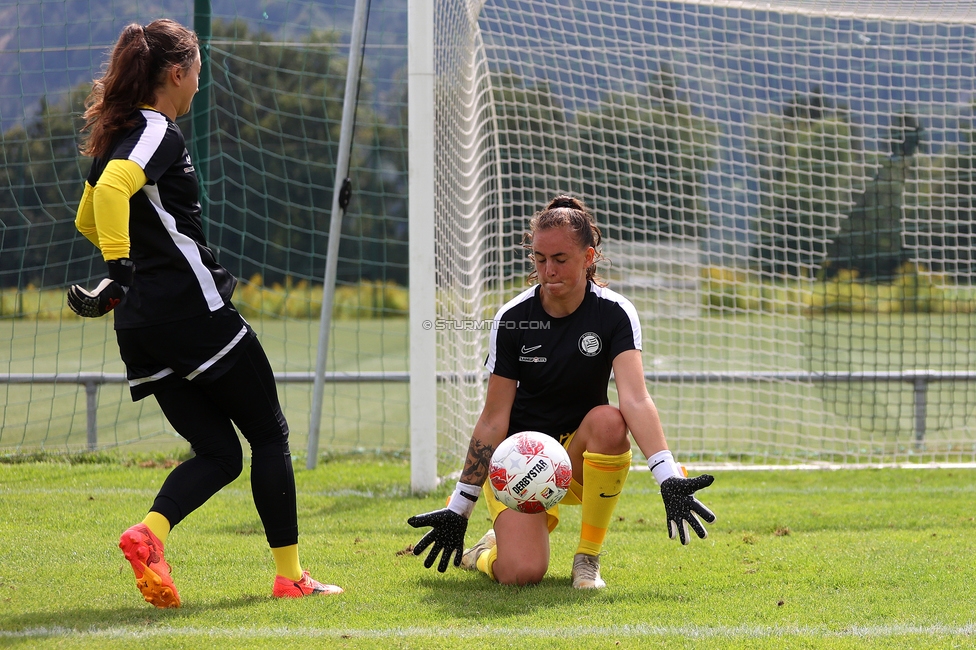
pixel 91 404
pixel 920 400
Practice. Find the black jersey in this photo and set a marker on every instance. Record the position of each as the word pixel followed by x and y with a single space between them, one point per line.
pixel 562 365
pixel 176 274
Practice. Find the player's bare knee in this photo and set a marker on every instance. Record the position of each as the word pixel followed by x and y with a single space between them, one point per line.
pixel 608 425
pixel 529 578
pixel 607 418
pixel 519 566
pixel 521 576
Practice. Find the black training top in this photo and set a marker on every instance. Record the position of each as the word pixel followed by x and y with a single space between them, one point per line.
pixel 562 365
pixel 176 274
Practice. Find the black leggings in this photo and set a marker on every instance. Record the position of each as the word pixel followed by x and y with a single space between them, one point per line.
pixel 203 414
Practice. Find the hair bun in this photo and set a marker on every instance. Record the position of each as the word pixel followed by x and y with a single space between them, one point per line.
pixel 564 201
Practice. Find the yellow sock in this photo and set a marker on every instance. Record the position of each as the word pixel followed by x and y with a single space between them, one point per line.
pixel 158 524
pixel 487 560
pixel 286 561
pixel 603 480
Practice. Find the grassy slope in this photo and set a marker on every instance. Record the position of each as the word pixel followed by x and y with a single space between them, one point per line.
pixel 846 559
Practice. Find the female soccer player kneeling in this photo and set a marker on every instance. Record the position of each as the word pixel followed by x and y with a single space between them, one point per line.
pixel 551 352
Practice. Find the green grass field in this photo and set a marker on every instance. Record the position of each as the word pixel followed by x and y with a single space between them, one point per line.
pixel 355 416
pixel 761 422
pixel 844 559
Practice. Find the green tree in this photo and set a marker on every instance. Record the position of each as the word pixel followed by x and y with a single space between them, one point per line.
pixel 870 239
pixel 40 184
pixel 276 117
pixel 530 132
pixel 807 158
pixel 530 128
pixel 645 156
pixel 275 133
pixel 941 211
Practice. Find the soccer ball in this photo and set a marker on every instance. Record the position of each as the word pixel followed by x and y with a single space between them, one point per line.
pixel 530 472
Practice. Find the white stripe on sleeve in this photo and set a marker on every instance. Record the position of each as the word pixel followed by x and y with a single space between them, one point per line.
pixel 628 307
pixel 493 337
pixel 150 139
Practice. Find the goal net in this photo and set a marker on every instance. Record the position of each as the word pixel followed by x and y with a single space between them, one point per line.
pixel 786 195
pixel 269 134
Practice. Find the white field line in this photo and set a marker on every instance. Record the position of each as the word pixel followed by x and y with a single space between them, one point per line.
pixel 395 492
pixel 736 467
pixel 392 493
pixel 740 467
pixel 629 631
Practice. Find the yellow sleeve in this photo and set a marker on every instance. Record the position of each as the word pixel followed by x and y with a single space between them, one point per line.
pixel 85 218
pixel 110 202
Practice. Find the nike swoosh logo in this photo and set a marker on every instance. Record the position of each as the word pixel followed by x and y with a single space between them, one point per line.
pixel 526 350
pixel 609 496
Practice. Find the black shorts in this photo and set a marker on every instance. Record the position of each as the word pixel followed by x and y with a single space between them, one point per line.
pixel 199 349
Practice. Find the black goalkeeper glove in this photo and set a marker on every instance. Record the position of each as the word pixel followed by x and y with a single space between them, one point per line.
pixel 449 526
pixel 447 537
pixel 107 295
pixel 681 505
pixel 678 492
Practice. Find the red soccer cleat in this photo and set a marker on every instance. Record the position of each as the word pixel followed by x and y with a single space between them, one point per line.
pixel 286 588
pixel 144 552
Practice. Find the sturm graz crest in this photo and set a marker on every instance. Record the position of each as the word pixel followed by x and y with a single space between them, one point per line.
pixel 590 344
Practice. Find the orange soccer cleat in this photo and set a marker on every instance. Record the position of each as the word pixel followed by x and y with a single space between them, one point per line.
pixel 144 552
pixel 306 586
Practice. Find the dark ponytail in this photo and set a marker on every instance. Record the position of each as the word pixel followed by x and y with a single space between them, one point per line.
pixel 140 58
pixel 565 210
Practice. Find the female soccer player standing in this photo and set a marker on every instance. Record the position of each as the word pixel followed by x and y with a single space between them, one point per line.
pixel 180 337
pixel 550 355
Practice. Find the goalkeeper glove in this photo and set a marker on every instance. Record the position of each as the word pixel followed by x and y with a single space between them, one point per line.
pixel 107 295
pixel 449 526
pixel 680 504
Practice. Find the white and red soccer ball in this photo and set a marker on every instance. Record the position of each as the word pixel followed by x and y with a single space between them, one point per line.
pixel 530 472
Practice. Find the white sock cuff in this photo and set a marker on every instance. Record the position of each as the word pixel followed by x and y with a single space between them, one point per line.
pixel 663 466
pixel 464 498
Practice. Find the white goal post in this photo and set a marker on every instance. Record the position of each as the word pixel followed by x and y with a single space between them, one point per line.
pixel 423 342
pixel 786 194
